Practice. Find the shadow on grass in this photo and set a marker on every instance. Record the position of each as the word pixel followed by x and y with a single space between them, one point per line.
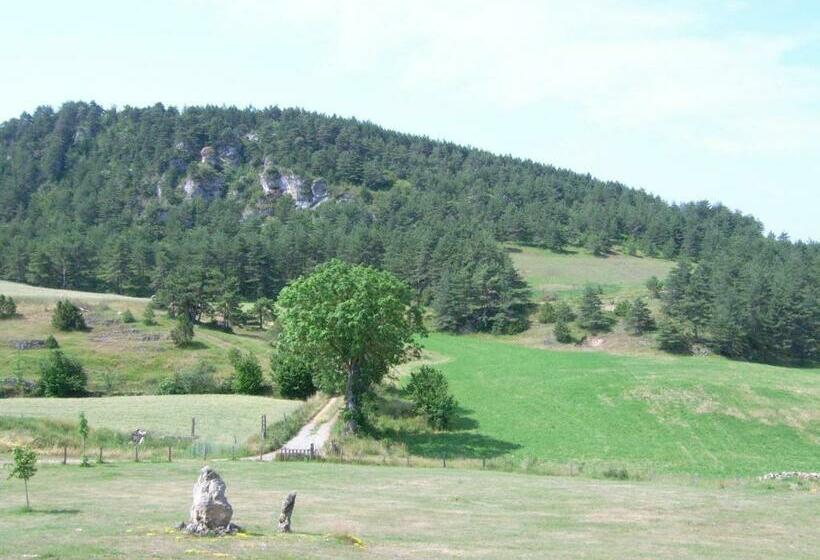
pixel 48 511
pixel 457 442
pixel 195 345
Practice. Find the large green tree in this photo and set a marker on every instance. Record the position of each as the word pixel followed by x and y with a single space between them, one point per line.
pixel 354 322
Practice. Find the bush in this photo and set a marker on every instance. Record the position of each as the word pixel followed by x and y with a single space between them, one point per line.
pixel 196 381
pixel 429 392
pixel 247 378
pixel 148 315
pixel 622 308
pixel 563 312
pixel 654 286
pixel 61 376
pixel 51 342
pixel 562 332
pixel 183 332
pixel 67 317
pixel 8 308
pixel 128 317
pixel 672 338
pixel 292 377
pixel 546 313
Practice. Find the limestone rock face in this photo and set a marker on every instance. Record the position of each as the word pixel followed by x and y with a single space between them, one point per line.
pixel 211 512
pixel 208 189
pixel 208 155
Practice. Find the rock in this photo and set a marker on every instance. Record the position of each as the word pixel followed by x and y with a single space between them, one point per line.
pixel 211 512
pixel 287 511
pixel 208 155
pixel 274 183
pixel 799 475
pixel 229 155
pixel 27 344
pixel 206 189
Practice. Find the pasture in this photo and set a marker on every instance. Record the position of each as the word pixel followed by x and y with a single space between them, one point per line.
pixel 119 358
pixel 219 418
pixel 128 510
pixel 651 414
pixel 566 274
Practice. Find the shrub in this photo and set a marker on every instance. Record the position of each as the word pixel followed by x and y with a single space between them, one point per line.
pixel 148 315
pixel 546 313
pixel 183 332
pixel 128 317
pixel 247 378
pixel 654 286
pixel 198 380
pixel 51 342
pixel 429 392
pixel 8 308
pixel 61 376
pixel 672 338
pixel 292 377
pixel 622 308
pixel 616 474
pixel 562 332
pixel 67 317
pixel 563 312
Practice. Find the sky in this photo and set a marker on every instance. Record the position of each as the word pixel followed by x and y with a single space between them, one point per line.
pixel 689 100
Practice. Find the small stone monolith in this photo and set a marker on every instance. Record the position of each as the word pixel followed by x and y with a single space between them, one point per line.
pixel 287 512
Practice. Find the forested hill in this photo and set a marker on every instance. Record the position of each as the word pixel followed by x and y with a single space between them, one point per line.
pixel 236 203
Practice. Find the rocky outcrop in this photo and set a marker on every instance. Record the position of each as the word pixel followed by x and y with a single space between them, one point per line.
pixel 287 511
pixel 229 155
pixel 303 194
pixel 208 155
pixel 211 512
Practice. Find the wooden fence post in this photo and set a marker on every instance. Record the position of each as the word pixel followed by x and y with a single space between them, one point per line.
pixel 483 462
pixel 193 428
pixel 311 450
pixel 169 453
pixel 264 427
pixel 136 453
pixel 444 461
pixel 100 460
pixel 65 454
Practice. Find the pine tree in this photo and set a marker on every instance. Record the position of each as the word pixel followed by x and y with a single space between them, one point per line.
pixel 562 332
pixel 639 319
pixel 591 315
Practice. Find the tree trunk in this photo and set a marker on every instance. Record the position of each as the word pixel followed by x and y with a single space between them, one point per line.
pixel 351 399
pixel 25 483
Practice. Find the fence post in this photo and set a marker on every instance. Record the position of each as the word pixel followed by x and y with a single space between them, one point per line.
pixel 193 428
pixel 65 454
pixel 136 453
pixel 100 459
pixel 311 450
pixel 169 453
pixel 408 459
pixel 264 426
pixel 483 462
pixel 444 461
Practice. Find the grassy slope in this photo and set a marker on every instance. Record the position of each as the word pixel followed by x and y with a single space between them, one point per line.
pixel 137 364
pixel 128 511
pixel 566 274
pixel 218 417
pixel 670 414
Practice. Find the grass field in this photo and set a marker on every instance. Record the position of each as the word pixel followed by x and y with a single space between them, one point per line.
pixel 119 358
pixel 566 274
pixel 219 418
pixel 344 511
pixel 699 415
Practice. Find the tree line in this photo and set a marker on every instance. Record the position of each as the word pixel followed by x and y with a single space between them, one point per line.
pixel 91 198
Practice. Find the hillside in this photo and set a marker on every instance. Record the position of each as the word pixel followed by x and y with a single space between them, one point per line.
pixel 119 358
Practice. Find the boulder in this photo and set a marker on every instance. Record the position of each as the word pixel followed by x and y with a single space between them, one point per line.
pixel 211 512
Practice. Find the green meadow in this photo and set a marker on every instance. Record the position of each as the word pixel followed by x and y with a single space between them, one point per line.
pixel 664 414
pixel 127 510
pixel 566 274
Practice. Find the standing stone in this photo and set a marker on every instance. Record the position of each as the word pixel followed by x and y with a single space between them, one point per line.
pixel 287 511
pixel 210 512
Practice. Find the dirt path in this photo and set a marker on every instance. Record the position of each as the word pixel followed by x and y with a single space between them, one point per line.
pixel 315 432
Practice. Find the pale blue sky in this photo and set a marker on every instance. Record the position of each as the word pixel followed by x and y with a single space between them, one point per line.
pixel 689 100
